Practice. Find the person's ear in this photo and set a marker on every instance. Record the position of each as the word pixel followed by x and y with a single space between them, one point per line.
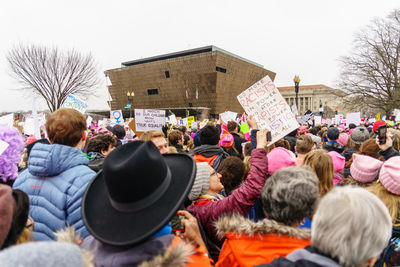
pixel 83 137
pixel 295 149
pixel 370 262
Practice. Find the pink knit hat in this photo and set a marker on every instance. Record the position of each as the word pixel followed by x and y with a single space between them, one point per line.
pixel 343 138
pixel 338 161
pixel 390 175
pixel 364 168
pixel 226 139
pixel 278 158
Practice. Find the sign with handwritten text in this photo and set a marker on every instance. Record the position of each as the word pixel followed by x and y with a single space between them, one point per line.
pixel 264 102
pixel 76 103
pixel 149 119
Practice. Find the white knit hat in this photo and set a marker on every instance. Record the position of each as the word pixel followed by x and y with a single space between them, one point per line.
pixel 201 181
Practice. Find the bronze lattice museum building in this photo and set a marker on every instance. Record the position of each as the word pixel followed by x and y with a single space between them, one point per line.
pixel 207 77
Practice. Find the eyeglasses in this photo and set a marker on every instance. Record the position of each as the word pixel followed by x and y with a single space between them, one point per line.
pixel 214 173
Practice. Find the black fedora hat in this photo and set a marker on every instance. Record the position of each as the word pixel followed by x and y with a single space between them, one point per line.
pixel 136 194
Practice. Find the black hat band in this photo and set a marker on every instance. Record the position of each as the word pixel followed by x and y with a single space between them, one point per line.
pixel 144 202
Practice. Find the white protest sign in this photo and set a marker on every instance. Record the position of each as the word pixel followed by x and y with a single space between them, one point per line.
pixel 3 146
pixel 317 120
pixel 29 126
pixel 294 109
pixel 353 118
pixel 89 121
pixel 116 116
pixel 149 119
pixel 75 103
pixel 183 122
pixel 264 102
pixel 228 116
pixel 337 119
pixel 172 120
pixel 7 120
pixel 372 120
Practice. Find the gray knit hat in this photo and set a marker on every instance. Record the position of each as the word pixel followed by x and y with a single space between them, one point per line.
pixel 201 181
pixel 42 254
pixel 316 139
pixel 359 135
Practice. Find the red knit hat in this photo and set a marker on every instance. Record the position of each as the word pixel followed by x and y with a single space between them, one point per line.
pixel 377 124
pixel 7 209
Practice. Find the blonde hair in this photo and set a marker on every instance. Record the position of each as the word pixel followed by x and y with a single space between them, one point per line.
pixel 321 163
pixel 391 201
pixel 147 136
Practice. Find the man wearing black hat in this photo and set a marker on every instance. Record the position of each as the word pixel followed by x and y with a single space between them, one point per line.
pixel 332 144
pixel 129 204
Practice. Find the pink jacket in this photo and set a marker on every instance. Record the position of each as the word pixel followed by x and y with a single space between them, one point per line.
pixel 240 201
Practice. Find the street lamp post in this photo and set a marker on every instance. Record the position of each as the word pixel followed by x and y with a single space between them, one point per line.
pixel 130 101
pixel 296 80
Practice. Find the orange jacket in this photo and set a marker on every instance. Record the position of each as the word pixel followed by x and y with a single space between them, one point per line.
pixel 198 258
pixel 243 250
pixel 200 158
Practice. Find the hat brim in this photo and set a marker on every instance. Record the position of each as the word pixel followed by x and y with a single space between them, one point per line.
pixel 117 228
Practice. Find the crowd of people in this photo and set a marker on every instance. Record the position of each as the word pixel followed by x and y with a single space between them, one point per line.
pixel 199 196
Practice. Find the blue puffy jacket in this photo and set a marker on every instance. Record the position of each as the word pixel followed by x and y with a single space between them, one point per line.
pixel 55 181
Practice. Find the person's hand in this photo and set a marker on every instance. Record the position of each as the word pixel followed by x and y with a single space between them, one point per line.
pixel 262 139
pixel 252 122
pixel 192 231
pixel 387 145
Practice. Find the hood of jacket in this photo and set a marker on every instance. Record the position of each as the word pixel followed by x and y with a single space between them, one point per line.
pixel 51 160
pixel 240 225
pixel 208 150
pixel 311 254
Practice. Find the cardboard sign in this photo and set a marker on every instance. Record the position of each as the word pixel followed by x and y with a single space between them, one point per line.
pixel 353 118
pixel 264 102
pixel 75 103
pixel 228 116
pixel 149 119
pixel 132 125
pixel 190 120
pixel 7 120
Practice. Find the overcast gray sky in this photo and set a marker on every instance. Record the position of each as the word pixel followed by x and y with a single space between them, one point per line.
pixel 288 37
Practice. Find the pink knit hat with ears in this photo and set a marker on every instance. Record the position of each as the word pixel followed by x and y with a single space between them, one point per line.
pixel 364 168
pixel 338 161
pixel 278 158
pixel 390 175
pixel 343 138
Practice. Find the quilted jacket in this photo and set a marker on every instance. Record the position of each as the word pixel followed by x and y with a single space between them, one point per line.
pixel 55 181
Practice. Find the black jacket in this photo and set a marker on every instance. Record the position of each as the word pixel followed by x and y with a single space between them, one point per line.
pixel 333 147
pixel 238 142
pixel 388 153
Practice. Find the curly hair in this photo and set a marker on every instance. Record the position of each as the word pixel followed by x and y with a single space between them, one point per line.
pixel 10 158
pixel 232 171
pixel 100 143
pixel 290 195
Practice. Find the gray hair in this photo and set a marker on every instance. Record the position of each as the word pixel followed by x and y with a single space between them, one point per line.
pixel 290 195
pixel 352 225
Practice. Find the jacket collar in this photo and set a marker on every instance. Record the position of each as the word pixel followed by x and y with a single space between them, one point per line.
pixel 238 224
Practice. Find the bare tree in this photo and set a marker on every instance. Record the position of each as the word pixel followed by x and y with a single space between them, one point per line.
pixel 370 75
pixel 52 73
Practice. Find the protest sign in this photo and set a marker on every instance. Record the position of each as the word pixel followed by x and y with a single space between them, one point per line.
pixel 317 120
pixel 228 116
pixel 183 122
pixel 172 120
pixel 3 146
pixel 264 102
pixel 378 117
pixel 353 118
pixel 89 121
pixel 116 116
pixel 190 120
pixel 7 120
pixel 337 119
pixel 29 126
pixel 244 128
pixel 149 119
pixel 343 121
pixel 75 103
pixel 294 109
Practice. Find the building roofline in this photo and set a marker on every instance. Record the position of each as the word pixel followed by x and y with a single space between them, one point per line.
pixel 312 86
pixel 183 53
